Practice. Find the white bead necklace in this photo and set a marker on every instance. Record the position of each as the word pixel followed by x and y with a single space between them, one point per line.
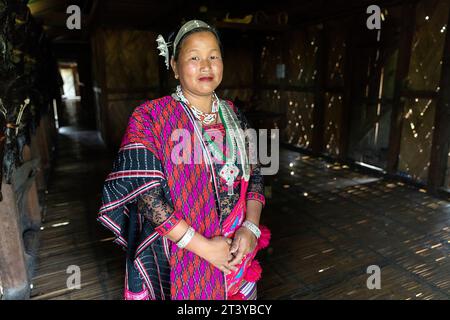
pixel 229 170
pixel 203 117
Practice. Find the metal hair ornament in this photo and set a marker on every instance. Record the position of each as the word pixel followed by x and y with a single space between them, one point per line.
pixel 163 48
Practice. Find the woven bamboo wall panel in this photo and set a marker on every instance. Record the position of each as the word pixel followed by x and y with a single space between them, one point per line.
pixel 302 57
pixel 335 69
pixel 417 133
pixel 370 117
pixel 118 112
pixel 125 68
pixel 272 101
pixel 271 56
pixel 388 75
pixel 131 59
pixel 428 44
pixel 333 110
pixel 389 50
pixel 370 128
pixel 235 94
pixel 98 76
pixel 334 79
pixel 374 68
pixel 238 67
pixel 299 129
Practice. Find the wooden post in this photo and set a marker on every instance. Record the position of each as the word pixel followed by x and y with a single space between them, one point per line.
pixel 45 143
pixel 36 154
pixel 319 92
pixel 32 206
pixel 403 61
pixel 104 126
pixel 441 135
pixel 283 83
pixel 44 150
pixel 347 98
pixel 13 270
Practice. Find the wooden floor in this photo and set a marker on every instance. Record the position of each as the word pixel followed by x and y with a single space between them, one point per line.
pixel 328 223
pixel 71 235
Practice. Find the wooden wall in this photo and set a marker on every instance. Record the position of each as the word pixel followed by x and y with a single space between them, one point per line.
pixel 23 210
pixel 347 92
pixel 237 83
pixel 29 88
pixel 422 85
pixel 125 71
pixel 361 95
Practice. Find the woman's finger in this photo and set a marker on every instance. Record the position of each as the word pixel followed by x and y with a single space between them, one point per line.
pixel 237 258
pixel 235 245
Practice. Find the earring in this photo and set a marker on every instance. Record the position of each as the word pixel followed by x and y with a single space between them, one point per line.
pixel 176 76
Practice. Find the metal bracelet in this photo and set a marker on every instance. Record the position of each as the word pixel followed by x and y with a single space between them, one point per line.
pixel 253 228
pixel 183 242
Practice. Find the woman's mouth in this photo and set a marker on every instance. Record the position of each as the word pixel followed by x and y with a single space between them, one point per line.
pixel 206 79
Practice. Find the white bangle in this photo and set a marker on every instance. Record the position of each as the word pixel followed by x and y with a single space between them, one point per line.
pixel 253 228
pixel 183 242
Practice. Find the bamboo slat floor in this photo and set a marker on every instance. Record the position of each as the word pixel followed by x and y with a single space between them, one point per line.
pixel 71 235
pixel 329 224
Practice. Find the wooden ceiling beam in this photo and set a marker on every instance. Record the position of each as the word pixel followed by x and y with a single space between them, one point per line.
pixel 166 15
pixel 63 34
pixel 40 8
pixel 57 19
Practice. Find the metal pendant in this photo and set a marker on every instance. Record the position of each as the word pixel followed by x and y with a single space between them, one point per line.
pixel 229 172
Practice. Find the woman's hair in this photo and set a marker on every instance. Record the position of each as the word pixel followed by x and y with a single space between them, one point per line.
pixel 200 29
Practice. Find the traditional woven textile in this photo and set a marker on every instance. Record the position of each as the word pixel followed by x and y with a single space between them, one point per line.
pixel 156 267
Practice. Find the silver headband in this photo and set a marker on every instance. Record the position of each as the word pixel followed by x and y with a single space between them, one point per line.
pixel 187 27
pixel 163 46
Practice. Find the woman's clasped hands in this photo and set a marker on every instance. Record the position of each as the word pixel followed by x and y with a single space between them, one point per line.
pixel 225 253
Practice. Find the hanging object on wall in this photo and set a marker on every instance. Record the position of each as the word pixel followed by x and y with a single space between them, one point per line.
pixel 281 71
pixel 245 20
pixel 280 18
pixel 28 82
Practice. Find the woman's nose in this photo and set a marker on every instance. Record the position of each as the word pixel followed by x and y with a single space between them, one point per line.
pixel 205 65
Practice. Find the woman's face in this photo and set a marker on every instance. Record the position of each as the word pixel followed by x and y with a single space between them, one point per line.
pixel 199 64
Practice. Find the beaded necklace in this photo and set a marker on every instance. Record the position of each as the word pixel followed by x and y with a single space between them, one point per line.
pixel 229 171
pixel 203 117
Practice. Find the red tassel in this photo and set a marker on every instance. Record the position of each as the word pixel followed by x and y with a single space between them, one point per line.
pixel 237 296
pixel 253 272
pixel 264 239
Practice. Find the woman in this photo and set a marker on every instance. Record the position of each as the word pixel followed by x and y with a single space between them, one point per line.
pixel 190 228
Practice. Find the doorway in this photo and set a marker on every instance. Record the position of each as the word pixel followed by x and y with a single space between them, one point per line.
pixel 68 115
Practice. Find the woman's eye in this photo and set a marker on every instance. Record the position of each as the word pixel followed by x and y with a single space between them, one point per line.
pixel 214 57
pixel 194 58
